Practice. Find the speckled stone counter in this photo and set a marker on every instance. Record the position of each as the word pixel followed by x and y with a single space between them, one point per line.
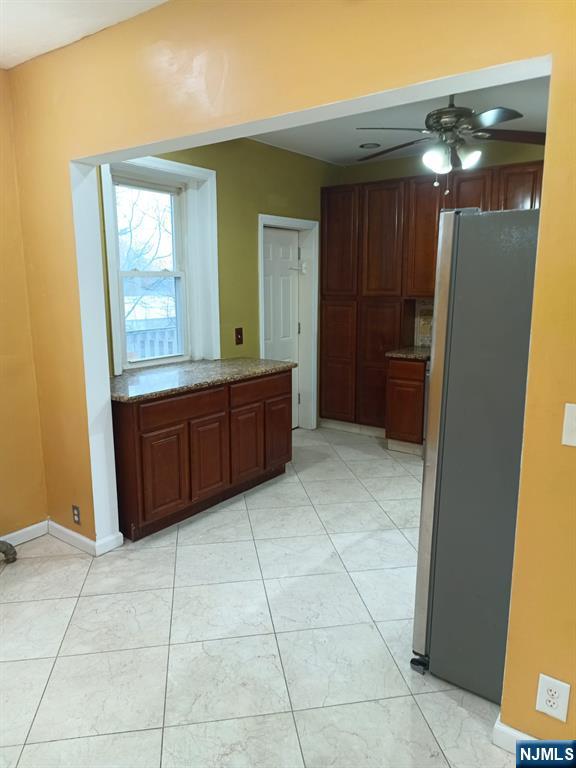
pixel 163 380
pixel 410 353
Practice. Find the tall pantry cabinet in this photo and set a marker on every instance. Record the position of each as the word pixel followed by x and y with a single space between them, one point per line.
pixel 378 256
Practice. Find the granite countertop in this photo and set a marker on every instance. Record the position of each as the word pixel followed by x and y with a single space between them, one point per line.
pixel 410 353
pixel 161 380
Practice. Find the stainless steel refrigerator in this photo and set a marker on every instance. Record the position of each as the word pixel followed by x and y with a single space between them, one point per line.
pixel 479 360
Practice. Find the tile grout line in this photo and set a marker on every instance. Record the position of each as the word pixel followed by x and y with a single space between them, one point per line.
pixel 277 646
pixel 54 663
pixel 168 652
pixel 415 697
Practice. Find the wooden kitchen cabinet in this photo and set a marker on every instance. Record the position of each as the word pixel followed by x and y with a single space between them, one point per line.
pixel 278 431
pixel 379 243
pixel 177 455
pixel 405 400
pixel 165 471
pixel 339 242
pixel 518 186
pixel 209 456
pixel 379 332
pixel 338 360
pixel 247 441
pixel 422 210
pixel 382 236
pixel 470 189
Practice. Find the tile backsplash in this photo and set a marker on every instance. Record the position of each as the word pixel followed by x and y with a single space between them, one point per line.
pixel 423 323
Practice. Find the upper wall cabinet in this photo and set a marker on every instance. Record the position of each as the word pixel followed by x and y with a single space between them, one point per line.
pixel 382 224
pixel 470 189
pixel 518 186
pixel 339 241
pixel 423 203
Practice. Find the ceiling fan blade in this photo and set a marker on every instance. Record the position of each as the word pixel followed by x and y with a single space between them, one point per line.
pixel 455 158
pixel 521 137
pixel 375 128
pixel 391 149
pixel 492 117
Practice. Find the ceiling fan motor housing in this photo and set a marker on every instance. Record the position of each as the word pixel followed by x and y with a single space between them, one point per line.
pixel 449 119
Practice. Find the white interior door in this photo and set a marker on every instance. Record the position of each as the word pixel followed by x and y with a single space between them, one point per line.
pixel 281 273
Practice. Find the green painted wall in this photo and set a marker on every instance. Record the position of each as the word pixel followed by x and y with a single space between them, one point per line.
pixel 253 178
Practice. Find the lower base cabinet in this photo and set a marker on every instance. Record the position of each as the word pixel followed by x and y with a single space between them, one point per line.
pixel 405 400
pixel 209 456
pixel 165 471
pixel 247 442
pixel 176 456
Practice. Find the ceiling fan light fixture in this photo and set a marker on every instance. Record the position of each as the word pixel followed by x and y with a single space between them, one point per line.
pixel 468 157
pixel 437 159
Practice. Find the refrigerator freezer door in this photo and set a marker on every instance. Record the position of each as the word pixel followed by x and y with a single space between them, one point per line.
pixel 480 444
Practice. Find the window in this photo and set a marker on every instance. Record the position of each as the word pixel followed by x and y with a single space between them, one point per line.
pixel 162 263
pixel 152 273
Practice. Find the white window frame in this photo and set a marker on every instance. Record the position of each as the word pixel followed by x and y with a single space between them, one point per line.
pixel 196 242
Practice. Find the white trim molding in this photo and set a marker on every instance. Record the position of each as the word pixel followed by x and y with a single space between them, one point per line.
pixel 308 242
pixel 505 737
pixel 196 255
pixel 95 548
pixel 26 534
pixel 83 543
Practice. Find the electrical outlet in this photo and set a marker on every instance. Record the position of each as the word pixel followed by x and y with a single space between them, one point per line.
pixel 76 514
pixel 239 335
pixel 552 697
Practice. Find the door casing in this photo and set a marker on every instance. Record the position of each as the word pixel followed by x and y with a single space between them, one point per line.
pixel 308 240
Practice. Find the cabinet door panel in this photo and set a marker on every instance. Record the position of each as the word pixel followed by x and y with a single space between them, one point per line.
pixel 339 242
pixel 247 442
pixel 519 186
pixel 471 189
pixel 405 410
pixel 423 210
pixel 210 456
pixel 382 224
pixel 338 360
pixel 379 332
pixel 165 471
pixel 278 431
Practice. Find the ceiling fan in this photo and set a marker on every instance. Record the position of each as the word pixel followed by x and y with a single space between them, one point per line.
pixel 454 131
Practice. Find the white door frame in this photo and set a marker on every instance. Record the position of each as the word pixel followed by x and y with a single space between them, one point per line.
pixel 308 241
pixel 88 236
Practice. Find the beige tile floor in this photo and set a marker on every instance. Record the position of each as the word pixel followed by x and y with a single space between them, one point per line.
pixel 273 631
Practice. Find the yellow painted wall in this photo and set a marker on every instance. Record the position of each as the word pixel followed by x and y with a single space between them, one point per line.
pixel 189 66
pixel 22 483
pixel 252 178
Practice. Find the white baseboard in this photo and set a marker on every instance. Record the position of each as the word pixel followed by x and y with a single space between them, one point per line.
pixel 355 429
pixel 95 548
pixel 26 534
pixel 505 737
pixel 83 543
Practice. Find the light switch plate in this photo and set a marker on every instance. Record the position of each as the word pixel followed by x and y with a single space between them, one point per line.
pixel 569 429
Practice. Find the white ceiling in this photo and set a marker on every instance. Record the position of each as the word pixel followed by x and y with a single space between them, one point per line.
pixel 337 141
pixel 32 27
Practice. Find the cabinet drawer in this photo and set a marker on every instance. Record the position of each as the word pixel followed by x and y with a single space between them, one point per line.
pixel 260 389
pixel 413 370
pixel 178 409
